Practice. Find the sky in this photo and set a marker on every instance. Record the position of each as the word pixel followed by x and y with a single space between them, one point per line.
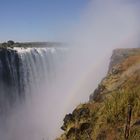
pixel 38 20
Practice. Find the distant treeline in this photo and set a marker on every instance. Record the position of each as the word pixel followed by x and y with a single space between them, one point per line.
pixel 12 44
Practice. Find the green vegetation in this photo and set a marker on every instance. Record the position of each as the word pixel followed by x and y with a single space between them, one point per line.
pixel 8 44
pixel 106 120
pixel 112 114
pixel 11 44
pixel 106 113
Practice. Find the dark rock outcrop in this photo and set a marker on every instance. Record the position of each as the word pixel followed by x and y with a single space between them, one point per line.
pixel 77 122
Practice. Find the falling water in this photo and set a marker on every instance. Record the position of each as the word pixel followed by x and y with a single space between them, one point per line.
pixel 38 86
pixel 23 75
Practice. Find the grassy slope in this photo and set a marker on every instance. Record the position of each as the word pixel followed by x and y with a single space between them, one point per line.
pixel 108 109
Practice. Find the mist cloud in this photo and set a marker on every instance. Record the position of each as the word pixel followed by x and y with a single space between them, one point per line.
pixel 104 26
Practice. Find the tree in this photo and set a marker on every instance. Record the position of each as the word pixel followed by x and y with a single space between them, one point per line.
pixel 4 44
pixel 10 43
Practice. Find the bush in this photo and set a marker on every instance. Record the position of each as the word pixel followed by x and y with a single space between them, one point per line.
pixel 10 43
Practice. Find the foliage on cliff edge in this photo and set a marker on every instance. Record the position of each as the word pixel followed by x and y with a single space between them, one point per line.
pixel 104 117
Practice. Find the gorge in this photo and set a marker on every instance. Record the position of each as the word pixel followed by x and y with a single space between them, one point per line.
pixel 104 116
pixel 41 83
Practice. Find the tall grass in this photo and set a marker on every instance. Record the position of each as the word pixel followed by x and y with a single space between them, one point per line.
pixel 112 114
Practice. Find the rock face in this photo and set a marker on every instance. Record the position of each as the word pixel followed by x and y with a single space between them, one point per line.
pixel 120 55
pixel 124 63
pixel 105 113
pixel 77 122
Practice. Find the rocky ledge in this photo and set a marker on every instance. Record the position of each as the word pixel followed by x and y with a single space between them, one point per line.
pixel 104 116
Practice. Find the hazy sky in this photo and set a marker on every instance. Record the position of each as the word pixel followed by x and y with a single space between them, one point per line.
pixel 38 20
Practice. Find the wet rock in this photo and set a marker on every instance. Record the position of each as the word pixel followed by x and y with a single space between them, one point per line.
pixel 85 126
pixel 115 71
pixel 81 113
pixel 68 119
pixel 97 92
pixel 72 132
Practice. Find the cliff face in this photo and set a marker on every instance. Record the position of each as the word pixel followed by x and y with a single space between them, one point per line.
pixel 123 73
pixel 120 55
pixel 104 116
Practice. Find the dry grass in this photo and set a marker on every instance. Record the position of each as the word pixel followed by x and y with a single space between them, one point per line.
pixel 112 114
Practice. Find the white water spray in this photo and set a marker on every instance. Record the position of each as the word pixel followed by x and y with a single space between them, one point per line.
pixel 105 25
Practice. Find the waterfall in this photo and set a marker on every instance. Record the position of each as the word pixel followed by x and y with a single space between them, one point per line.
pixel 22 71
pixel 10 88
